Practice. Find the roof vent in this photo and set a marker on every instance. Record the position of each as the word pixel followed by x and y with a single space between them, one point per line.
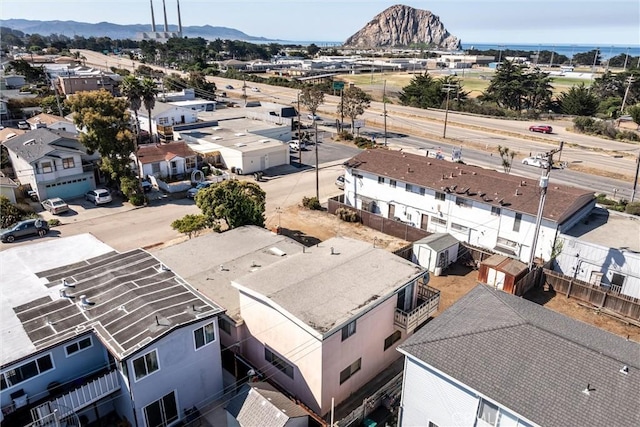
pixel 451 176
pixel 29 142
pixel 63 293
pixel 84 301
pixel 624 370
pixel 588 390
pixel 222 268
pixel 276 251
pixel 517 192
pixel 67 284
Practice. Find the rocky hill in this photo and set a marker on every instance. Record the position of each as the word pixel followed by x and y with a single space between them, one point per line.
pixel 400 26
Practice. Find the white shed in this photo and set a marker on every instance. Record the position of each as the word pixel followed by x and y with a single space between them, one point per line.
pixel 436 251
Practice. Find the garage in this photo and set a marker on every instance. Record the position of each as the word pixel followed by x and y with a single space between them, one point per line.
pixel 69 188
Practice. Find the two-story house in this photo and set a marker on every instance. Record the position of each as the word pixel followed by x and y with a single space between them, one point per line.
pixel 494 359
pixel 320 321
pixel 163 118
pixel 53 162
pixel 478 206
pixel 89 333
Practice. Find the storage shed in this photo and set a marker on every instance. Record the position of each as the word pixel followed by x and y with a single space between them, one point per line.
pixel 502 272
pixel 435 252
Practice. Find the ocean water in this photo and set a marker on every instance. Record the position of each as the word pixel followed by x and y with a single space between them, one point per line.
pixel 561 49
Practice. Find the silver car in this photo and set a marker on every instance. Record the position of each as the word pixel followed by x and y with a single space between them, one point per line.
pixel 98 196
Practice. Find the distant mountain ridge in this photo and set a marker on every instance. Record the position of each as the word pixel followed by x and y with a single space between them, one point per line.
pixel 120 32
pixel 403 26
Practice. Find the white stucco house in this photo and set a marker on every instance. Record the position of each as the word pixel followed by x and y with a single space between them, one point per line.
pixel 495 359
pixel 165 115
pixel 53 162
pixel 479 206
pixel 166 160
pixel 320 322
pixel 52 122
pixel 89 333
pixel 603 250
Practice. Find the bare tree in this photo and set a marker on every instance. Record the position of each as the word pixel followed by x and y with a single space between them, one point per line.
pixel 507 158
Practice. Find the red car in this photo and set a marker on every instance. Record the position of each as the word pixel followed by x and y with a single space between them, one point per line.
pixel 541 128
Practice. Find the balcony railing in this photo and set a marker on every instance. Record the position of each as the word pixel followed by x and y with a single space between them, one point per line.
pixel 427 305
pixel 76 399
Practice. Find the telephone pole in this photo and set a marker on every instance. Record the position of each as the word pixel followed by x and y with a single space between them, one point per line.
pixel 447 88
pixel 299 134
pixel 384 111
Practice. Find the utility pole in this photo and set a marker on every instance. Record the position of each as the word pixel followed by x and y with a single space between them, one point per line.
pixel 299 134
pixel 384 110
pixel 447 88
pixel 544 184
pixel 244 90
pixel 342 109
pixel 635 179
pixel 315 126
pixel 630 80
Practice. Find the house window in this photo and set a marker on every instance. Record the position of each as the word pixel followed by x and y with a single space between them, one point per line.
pixel 506 243
pixel 348 330
pixel 26 371
pixel 440 196
pixel 163 120
pixel 68 163
pixel 422 191
pixel 392 183
pixel 516 223
pixel 162 412
pixel 381 180
pixel 617 280
pixel 438 221
pixel 392 339
pixel 190 163
pixel 204 335
pixel 458 227
pixel 155 168
pixel 350 370
pixel 47 167
pixel 146 365
pixel 408 188
pixel 78 346
pixel 224 325
pixel 495 211
pixel 278 362
pixel 465 203
pixel 487 412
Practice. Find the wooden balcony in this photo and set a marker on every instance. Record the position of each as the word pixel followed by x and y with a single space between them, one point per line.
pixel 426 306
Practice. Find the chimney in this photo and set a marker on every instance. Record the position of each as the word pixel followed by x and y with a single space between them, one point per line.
pixel 153 19
pixel 332 252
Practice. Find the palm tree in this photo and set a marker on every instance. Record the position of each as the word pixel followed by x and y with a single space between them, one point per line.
pixel 148 92
pixel 132 90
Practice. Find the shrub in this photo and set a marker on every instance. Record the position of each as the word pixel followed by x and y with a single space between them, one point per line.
pixel 347 215
pixel 633 208
pixel 53 222
pixel 311 203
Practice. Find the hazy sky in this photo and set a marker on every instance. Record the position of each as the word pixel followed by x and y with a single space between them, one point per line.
pixel 588 22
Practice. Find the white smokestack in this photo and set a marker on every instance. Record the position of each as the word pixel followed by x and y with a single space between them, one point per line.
pixel 179 20
pixel 153 19
pixel 166 25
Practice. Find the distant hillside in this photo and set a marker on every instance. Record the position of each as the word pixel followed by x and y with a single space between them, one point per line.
pixel 116 31
pixel 402 26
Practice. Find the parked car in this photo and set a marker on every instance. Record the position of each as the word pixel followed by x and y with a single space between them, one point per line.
pixel 313 117
pixel 28 227
pixel 228 87
pixel 255 89
pixel 146 186
pixel 191 193
pixel 55 205
pixel 536 161
pixel 296 145
pixel 98 196
pixel 541 128
pixel 340 182
pixel 23 125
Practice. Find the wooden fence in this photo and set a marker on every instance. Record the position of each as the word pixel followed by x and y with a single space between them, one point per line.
pixel 598 296
pixel 379 223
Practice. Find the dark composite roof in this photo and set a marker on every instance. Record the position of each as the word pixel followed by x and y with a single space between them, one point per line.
pixel 472 182
pixel 37 143
pixel 533 361
pixel 260 404
pixel 133 300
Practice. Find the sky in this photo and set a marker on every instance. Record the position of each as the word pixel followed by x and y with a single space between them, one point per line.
pixel 582 22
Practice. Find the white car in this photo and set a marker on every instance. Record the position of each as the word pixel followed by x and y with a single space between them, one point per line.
pixel 340 182
pixel 296 145
pixel 98 196
pixel 313 117
pixel 535 161
pixel 255 89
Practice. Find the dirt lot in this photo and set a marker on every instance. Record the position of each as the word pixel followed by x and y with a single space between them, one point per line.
pixel 311 227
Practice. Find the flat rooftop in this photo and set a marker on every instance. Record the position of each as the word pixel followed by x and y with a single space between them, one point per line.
pixel 610 229
pixel 130 299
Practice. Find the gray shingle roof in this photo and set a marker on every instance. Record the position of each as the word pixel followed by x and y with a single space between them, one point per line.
pixel 489 186
pixel 37 143
pixel 533 361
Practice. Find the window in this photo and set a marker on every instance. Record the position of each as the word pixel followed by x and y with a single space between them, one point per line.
pixel 278 362
pixel 421 190
pixel 380 180
pixel 162 412
pixel 47 167
pixel 392 183
pixel 440 196
pixel 190 163
pixel 68 163
pixel 464 203
pixel 408 188
pixel 488 412
pixel 163 120
pixel 78 346
pixel 26 371
pixel 495 211
pixel 155 168
pixel 348 330
pixel 204 335
pixel 392 339
pixel 516 223
pixel 145 365
pixel 224 325
pixel 617 280
pixel 438 221
pixel 458 227
pixel 350 370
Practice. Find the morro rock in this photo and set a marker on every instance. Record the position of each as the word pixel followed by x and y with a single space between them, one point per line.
pixel 403 26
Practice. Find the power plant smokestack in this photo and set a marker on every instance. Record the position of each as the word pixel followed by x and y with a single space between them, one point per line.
pixel 179 20
pixel 166 25
pixel 153 19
